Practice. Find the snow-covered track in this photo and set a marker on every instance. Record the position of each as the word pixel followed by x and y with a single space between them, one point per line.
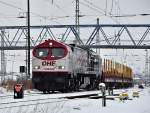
pixel 11 96
pixel 29 103
pixel 45 98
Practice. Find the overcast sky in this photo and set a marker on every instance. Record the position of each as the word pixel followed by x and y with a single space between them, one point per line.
pixel 63 11
pixel 48 12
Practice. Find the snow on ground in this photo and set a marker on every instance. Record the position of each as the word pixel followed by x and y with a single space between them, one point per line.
pixel 80 105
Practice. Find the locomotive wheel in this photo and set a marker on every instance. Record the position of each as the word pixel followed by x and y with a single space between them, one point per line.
pixel 44 91
pixel 88 87
pixel 71 85
pixel 64 91
pixel 77 85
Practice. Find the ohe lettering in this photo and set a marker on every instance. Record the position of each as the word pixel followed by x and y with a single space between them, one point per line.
pixel 48 63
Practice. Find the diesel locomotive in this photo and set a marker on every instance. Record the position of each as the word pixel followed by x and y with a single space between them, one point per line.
pixel 57 66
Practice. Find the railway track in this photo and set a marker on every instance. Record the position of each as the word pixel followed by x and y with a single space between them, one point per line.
pixel 28 94
pixel 70 95
pixel 40 94
pixel 37 98
pixel 29 102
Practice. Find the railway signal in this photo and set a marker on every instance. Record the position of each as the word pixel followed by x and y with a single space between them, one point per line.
pixel 18 91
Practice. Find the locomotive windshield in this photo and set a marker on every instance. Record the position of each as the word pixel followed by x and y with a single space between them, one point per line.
pixel 58 52
pixel 42 52
pixel 50 52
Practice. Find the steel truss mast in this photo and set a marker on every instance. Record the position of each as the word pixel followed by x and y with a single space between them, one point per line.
pixel 124 36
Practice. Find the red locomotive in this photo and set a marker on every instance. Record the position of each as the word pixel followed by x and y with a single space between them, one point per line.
pixel 60 67
pixel 57 66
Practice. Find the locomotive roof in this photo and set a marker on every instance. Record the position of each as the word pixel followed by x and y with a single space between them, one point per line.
pixel 46 44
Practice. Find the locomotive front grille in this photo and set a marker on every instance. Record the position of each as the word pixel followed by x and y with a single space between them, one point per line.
pixel 49 80
pixel 49 76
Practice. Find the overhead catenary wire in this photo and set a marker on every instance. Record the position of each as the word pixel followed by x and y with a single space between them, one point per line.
pixel 92 8
pixel 97 9
pixel 13 6
pixel 33 13
pixel 95 6
pixel 124 15
pixel 88 4
pixel 131 15
pixel 59 8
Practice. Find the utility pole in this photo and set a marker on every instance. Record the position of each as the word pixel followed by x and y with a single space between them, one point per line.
pixel 28 13
pixel 22 16
pixel 3 63
pixel 77 19
pixel 149 70
pixel 146 66
pixel 98 38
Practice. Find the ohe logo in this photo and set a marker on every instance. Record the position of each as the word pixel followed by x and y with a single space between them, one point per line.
pixel 48 63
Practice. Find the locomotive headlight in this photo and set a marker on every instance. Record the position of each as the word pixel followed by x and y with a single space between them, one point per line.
pixel 37 67
pixel 50 44
pixel 61 67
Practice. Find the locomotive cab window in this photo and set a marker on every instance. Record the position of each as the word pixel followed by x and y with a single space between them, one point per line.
pixel 58 52
pixel 42 52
